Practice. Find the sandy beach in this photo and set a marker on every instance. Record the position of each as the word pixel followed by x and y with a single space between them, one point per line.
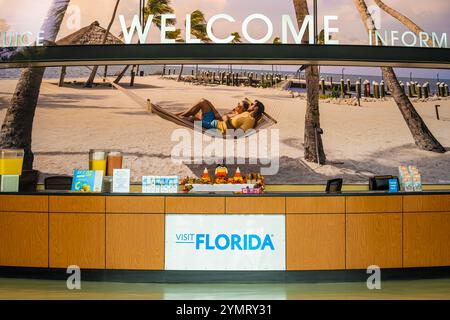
pixel 359 141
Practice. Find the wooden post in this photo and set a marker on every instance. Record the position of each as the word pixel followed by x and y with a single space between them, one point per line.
pixel 445 90
pixel 441 90
pixel 322 86
pixel 419 91
pixel 438 89
pixel 62 76
pixel 341 88
pixel 410 90
pixel 133 74
pixel 402 85
pixel 349 86
pixel 376 90
pixel 105 73
pixel 367 88
pixel 358 90
pixel 426 90
pixel 436 107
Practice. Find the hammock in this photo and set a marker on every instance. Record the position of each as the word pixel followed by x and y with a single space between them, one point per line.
pixel 264 122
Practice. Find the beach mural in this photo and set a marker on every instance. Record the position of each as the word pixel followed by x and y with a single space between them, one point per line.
pixel 318 123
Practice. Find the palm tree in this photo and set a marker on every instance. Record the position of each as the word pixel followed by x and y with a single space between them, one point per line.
pixel 17 127
pixel 158 8
pixel 198 30
pixel 236 38
pixel 4 26
pixel 155 8
pixel 423 138
pixel 176 35
pixel 313 141
pixel 402 18
pixel 88 83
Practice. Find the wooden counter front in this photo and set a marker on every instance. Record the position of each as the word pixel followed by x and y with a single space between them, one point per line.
pixel 77 231
pixel 374 239
pixel 135 241
pixel 315 205
pixel 372 204
pixel 315 233
pixel 22 203
pixel 76 204
pixel 24 230
pixel 431 203
pixel 24 239
pixel 77 239
pixel 315 241
pixel 144 204
pixel 273 205
pixel 323 232
pixel 426 238
pixel 195 205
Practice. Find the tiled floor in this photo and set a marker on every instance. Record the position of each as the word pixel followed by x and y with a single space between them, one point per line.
pixel 51 289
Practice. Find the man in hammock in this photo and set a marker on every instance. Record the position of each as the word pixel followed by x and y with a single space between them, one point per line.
pixel 244 116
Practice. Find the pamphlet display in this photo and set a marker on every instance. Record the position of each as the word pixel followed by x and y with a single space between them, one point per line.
pixel 410 179
pixel 160 184
pixel 121 180
pixel 87 180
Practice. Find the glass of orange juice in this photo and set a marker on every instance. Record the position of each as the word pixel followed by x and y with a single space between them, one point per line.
pixel 11 161
pixel 97 160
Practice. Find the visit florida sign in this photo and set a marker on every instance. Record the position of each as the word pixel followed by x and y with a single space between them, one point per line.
pixel 225 242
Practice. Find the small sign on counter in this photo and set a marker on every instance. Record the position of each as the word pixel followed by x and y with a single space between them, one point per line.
pixel 121 180
pixel 87 180
pixel 393 185
pixel 160 184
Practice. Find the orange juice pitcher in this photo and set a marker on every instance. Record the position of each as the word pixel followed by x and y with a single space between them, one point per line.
pixel 11 161
pixel 97 160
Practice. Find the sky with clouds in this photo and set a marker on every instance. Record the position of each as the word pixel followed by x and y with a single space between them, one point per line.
pixel 431 15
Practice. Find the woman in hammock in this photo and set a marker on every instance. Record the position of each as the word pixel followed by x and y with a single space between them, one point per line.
pixel 244 116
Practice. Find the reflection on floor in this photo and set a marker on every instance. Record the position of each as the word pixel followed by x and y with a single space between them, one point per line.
pixel 51 289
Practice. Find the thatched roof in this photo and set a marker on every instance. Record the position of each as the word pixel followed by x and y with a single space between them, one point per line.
pixel 92 34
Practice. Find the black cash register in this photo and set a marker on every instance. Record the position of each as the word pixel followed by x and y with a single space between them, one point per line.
pixel 381 183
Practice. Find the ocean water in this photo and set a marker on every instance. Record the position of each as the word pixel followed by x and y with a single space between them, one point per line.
pixel 84 72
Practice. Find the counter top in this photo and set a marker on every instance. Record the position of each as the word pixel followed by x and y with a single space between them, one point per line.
pixel 229 194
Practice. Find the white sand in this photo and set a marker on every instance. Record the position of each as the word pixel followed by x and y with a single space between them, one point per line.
pixel 359 141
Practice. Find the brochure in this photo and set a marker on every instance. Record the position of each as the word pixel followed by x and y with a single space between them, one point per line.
pixel 121 180
pixel 87 180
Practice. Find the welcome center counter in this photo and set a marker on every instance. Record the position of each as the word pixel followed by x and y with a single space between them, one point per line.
pixel 224 232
